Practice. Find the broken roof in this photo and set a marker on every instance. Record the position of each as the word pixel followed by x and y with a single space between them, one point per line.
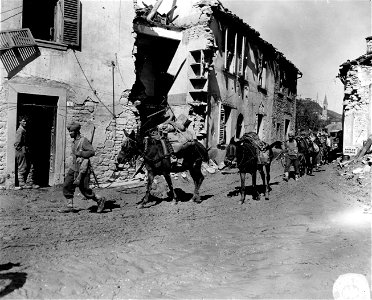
pixel 222 13
pixel 233 19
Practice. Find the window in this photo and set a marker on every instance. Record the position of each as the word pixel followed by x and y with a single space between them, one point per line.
pixel 53 21
pixel 262 72
pixel 259 119
pixel 230 51
pixel 283 81
pixel 278 130
pixel 286 127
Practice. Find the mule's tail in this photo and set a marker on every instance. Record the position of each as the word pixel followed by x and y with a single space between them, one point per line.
pixel 201 151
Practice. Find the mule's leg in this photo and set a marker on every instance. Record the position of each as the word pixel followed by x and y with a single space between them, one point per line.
pixel 262 173
pixel 145 199
pixel 255 193
pixel 198 178
pixel 267 187
pixel 268 168
pixel 171 193
pixel 242 187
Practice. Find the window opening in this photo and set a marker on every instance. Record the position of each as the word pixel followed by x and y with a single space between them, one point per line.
pixel 286 127
pixel 53 20
pixel 259 119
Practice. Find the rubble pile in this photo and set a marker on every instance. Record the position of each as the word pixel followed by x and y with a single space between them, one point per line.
pixel 358 173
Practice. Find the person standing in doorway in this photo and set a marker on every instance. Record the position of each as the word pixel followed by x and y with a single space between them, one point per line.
pixel 81 151
pixel 25 168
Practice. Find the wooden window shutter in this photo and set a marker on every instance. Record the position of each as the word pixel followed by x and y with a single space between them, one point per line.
pixel 222 124
pixel 71 22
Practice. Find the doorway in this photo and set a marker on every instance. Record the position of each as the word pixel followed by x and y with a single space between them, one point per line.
pixel 41 114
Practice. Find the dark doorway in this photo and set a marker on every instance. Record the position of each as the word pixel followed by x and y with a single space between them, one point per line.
pixel 41 113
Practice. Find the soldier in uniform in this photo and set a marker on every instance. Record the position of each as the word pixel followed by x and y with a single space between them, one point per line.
pixel 81 151
pixel 23 158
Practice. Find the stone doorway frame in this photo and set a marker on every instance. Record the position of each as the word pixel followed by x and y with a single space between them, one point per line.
pixel 59 162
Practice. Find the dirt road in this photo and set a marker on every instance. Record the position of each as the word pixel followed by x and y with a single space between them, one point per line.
pixel 294 245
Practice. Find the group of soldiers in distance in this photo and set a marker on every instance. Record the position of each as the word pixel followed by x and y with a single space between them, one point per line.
pixel 308 151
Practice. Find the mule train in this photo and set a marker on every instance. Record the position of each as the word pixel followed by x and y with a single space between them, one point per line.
pixel 250 155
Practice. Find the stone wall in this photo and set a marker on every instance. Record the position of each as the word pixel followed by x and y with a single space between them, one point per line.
pixel 357 106
pixel 3 118
pixel 108 145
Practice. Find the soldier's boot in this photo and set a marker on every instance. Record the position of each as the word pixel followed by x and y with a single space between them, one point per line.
pixel 286 176
pixel 101 203
pixel 21 181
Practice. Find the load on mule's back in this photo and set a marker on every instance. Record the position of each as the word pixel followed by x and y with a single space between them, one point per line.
pixel 176 132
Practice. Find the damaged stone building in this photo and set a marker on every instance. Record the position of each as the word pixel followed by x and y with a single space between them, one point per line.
pixel 115 65
pixel 210 65
pixel 356 75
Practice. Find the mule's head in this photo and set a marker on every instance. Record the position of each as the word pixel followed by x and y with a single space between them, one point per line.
pixel 129 149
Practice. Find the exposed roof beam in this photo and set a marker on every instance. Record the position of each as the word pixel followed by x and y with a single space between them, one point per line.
pixel 157 31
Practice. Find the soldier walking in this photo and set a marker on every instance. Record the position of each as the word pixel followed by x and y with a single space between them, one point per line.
pixel 78 175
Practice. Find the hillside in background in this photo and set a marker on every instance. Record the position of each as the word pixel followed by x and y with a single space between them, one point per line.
pixel 308 114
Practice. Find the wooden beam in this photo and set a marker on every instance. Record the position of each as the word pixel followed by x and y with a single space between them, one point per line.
pixel 226 33
pixel 243 55
pixel 235 56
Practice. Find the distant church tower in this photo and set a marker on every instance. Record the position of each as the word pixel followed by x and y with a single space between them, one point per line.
pixel 325 108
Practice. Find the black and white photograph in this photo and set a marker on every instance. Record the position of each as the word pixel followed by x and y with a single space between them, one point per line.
pixel 186 149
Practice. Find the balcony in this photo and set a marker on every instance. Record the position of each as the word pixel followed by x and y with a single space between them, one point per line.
pixel 17 49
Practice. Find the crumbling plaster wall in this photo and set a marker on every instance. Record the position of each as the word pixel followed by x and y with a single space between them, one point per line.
pixel 357 106
pixel 3 134
pixel 106 37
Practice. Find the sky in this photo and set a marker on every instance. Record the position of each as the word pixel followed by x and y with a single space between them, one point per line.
pixel 317 36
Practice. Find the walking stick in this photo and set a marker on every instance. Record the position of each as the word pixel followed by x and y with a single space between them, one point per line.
pixel 90 166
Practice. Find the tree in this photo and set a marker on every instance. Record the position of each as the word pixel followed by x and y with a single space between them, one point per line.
pixel 309 115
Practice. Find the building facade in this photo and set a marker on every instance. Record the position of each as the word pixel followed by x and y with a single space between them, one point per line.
pixel 80 72
pixel 115 66
pixel 356 75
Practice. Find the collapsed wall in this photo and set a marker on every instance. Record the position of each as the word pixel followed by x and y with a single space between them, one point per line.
pixel 162 73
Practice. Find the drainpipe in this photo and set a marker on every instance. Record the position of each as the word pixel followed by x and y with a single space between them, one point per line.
pixel 152 13
pixel 113 99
